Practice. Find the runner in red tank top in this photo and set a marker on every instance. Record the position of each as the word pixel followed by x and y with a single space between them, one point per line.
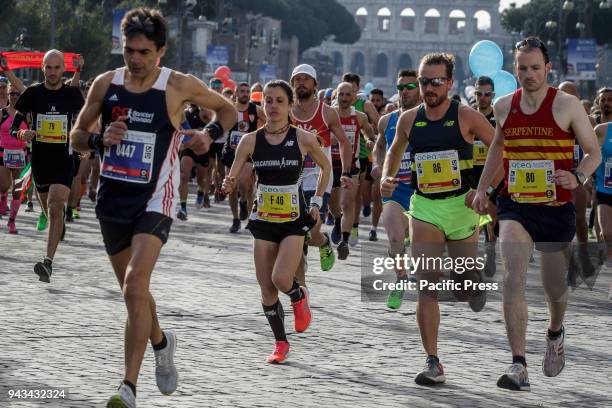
pixel 534 140
pixel 353 122
pixel 312 115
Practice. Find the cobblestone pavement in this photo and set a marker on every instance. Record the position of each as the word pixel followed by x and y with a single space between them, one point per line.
pixel 356 353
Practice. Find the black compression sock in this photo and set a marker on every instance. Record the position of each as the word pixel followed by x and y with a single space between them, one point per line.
pixel 338 221
pixel 276 320
pixel 132 386
pixel 295 293
pixel 356 225
pixel 162 344
pixel 184 205
pixel 519 359
pixel 345 236
pixel 437 360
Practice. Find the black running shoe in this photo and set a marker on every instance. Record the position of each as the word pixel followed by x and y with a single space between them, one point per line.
pixel 235 226
pixel 43 270
pixel 373 236
pixel 343 250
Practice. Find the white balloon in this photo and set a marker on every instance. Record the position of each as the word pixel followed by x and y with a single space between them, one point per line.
pixel 469 91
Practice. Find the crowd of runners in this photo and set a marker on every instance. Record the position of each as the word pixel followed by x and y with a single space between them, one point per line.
pixel 302 167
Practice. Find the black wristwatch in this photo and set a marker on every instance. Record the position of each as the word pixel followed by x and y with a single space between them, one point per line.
pixel 579 176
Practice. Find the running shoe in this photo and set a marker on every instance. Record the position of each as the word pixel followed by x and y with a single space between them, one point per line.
pixel 30 207
pixel 554 359
pixel 343 250
pixel 75 213
pixel 478 300
pixel 301 312
pixel 394 301
pixel 329 220
pixel 206 201
pixel 199 200
pixel 44 270
pixel 42 221
pixel 124 398
pixel 235 226
pixel 281 350
pixel 432 374
pixel 12 229
pixel 354 237
pixel 327 255
pixel 244 211
pixel 92 195
pixel 373 236
pixel 515 378
pixel 367 210
pixel 182 215
pixel 166 375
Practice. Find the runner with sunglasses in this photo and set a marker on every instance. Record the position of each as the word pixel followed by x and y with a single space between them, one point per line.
pixel 440 134
pixel 537 127
pixel 395 207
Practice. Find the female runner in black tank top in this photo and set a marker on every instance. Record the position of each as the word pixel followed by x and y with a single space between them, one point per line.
pixel 280 218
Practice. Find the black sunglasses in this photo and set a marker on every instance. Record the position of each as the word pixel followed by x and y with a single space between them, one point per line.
pixel 529 42
pixel 487 94
pixel 438 81
pixel 409 86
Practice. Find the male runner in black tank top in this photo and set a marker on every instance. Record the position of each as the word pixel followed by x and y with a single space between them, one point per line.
pixel 142 108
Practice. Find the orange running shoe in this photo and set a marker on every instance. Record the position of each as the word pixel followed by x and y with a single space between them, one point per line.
pixel 301 312
pixel 281 350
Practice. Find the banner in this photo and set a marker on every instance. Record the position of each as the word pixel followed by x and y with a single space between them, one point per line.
pixel 117 47
pixel 581 59
pixel 267 72
pixel 216 55
pixel 15 60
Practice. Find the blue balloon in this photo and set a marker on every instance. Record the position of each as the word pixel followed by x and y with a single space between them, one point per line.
pixel 504 83
pixel 486 58
pixel 368 87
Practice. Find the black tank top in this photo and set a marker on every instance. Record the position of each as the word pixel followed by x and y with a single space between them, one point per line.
pixel 442 157
pixel 279 179
pixel 142 173
pixel 491 118
pixel 246 123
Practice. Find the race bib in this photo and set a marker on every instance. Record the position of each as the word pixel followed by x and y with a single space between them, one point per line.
pixel 576 155
pixel 480 153
pixel 438 172
pixel 607 173
pixel 235 137
pixel 531 181
pixel 52 128
pixel 404 175
pixel 14 159
pixel 132 159
pixel 278 203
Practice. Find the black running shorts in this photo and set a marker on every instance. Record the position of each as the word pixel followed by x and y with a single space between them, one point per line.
pixel 118 236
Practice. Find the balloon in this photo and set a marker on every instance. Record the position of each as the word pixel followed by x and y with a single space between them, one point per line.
pixel 486 58
pixel 469 91
pixel 368 88
pixel 223 72
pixel 229 83
pixel 504 82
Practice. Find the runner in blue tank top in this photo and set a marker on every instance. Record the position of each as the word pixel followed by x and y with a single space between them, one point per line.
pixel 603 187
pixel 394 207
pixel 142 107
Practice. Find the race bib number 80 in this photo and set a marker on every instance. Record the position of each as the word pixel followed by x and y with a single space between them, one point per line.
pixel 132 159
pixel 531 181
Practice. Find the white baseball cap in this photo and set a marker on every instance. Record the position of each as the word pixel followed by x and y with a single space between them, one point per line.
pixel 304 69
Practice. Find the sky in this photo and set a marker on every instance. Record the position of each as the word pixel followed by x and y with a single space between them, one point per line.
pixel 506 3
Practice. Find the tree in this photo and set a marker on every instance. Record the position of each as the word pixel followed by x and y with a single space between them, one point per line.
pixel 530 19
pixel 310 21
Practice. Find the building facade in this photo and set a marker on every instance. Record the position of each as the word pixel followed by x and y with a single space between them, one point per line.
pixel 397 33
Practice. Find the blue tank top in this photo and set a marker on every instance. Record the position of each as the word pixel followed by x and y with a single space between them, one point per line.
pixel 142 173
pixel 604 171
pixel 405 172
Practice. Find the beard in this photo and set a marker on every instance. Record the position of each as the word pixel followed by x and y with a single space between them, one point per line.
pixel 436 102
pixel 408 103
pixel 303 93
pixel 244 100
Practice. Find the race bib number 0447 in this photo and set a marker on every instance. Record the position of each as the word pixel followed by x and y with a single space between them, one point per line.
pixel 132 159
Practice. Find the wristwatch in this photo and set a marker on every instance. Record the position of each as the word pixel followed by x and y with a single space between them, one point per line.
pixel 580 177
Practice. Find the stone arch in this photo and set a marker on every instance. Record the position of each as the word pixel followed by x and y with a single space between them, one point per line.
pixel 407 19
pixel 432 21
pixel 483 22
pixel 384 19
pixel 404 62
pixel 361 16
pixel 338 62
pixel 358 63
pixel 381 66
pixel 456 22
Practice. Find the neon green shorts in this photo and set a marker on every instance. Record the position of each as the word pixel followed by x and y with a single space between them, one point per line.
pixel 449 215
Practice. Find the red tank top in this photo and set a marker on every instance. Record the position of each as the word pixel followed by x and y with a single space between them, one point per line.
pixel 350 125
pixel 316 124
pixel 537 137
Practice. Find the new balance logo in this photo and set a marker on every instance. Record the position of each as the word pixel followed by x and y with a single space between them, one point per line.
pixel 289 143
pixel 113 98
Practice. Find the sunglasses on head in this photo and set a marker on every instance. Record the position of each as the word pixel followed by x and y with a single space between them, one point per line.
pixel 529 42
pixel 487 93
pixel 409 86
pixel 438 81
